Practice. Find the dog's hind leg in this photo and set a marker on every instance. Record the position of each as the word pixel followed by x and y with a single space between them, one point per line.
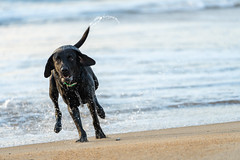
pixel 74 112
pixel 99 108
pixel 53 93
pixel 98 130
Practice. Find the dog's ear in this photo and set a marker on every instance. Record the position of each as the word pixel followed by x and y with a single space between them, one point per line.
pixel 82 40
pixel 85 60
pixel 49 67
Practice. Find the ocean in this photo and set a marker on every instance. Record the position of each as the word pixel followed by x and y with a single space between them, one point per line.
pixel 160 64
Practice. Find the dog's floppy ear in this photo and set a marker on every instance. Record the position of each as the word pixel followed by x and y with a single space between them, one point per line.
pixel 49 67
pixel 82 40
pixel 85 60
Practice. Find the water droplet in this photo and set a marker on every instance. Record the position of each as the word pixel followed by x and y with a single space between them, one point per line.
pixel 100 18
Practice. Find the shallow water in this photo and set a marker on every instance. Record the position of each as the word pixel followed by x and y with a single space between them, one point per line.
pixel 158 70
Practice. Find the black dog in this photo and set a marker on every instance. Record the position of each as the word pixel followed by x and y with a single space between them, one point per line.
pixel 71 76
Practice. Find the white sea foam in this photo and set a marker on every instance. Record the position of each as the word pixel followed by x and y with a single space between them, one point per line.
pixel 42 11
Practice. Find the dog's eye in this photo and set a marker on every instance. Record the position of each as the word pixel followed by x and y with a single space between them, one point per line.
pixel 70 58
pixel 58 59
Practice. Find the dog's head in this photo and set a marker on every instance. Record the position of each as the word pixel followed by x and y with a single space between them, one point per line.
pixel 65 60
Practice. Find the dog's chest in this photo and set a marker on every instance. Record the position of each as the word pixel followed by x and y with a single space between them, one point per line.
pixel 75 95
pixel 82 96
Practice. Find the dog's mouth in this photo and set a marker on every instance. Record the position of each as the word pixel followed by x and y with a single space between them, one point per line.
pixel 67 79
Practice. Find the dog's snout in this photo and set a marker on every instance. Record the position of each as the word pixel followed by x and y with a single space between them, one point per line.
pixel 65 71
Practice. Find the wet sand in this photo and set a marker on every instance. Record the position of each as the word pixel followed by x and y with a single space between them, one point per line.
pixel 218 141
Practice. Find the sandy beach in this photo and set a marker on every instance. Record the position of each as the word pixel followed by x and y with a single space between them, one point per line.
pixel 217 141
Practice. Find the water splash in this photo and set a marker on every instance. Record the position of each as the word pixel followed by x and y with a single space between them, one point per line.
pixel 6 103
pixel 100 18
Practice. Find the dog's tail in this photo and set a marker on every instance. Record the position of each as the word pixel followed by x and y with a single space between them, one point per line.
pixel 99 108
pixel 82 40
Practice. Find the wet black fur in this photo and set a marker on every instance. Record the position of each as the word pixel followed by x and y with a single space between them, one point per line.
pixel 78 66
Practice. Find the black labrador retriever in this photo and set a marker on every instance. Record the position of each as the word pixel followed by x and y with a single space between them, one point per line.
pixel 71 76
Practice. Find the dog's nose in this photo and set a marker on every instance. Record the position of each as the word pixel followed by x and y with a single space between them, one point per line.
pixel 65 71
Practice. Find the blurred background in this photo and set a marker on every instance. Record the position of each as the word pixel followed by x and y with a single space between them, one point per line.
pixel 160 64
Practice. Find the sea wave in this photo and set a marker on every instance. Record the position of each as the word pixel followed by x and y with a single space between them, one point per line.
pixel 145 109
pixel 40 11
pixel 215 103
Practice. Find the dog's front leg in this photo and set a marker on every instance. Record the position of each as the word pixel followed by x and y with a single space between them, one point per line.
pixel 74 112
pixel 98 130
pixel 53 93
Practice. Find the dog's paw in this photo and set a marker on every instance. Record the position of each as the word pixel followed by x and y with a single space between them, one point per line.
pixel 100 134
pixel 82 139
pixel 58 127
pixel 101 112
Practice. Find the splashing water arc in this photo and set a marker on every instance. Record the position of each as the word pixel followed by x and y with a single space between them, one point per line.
pixel 100 18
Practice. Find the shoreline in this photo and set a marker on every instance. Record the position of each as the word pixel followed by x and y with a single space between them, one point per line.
pixel 214 141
